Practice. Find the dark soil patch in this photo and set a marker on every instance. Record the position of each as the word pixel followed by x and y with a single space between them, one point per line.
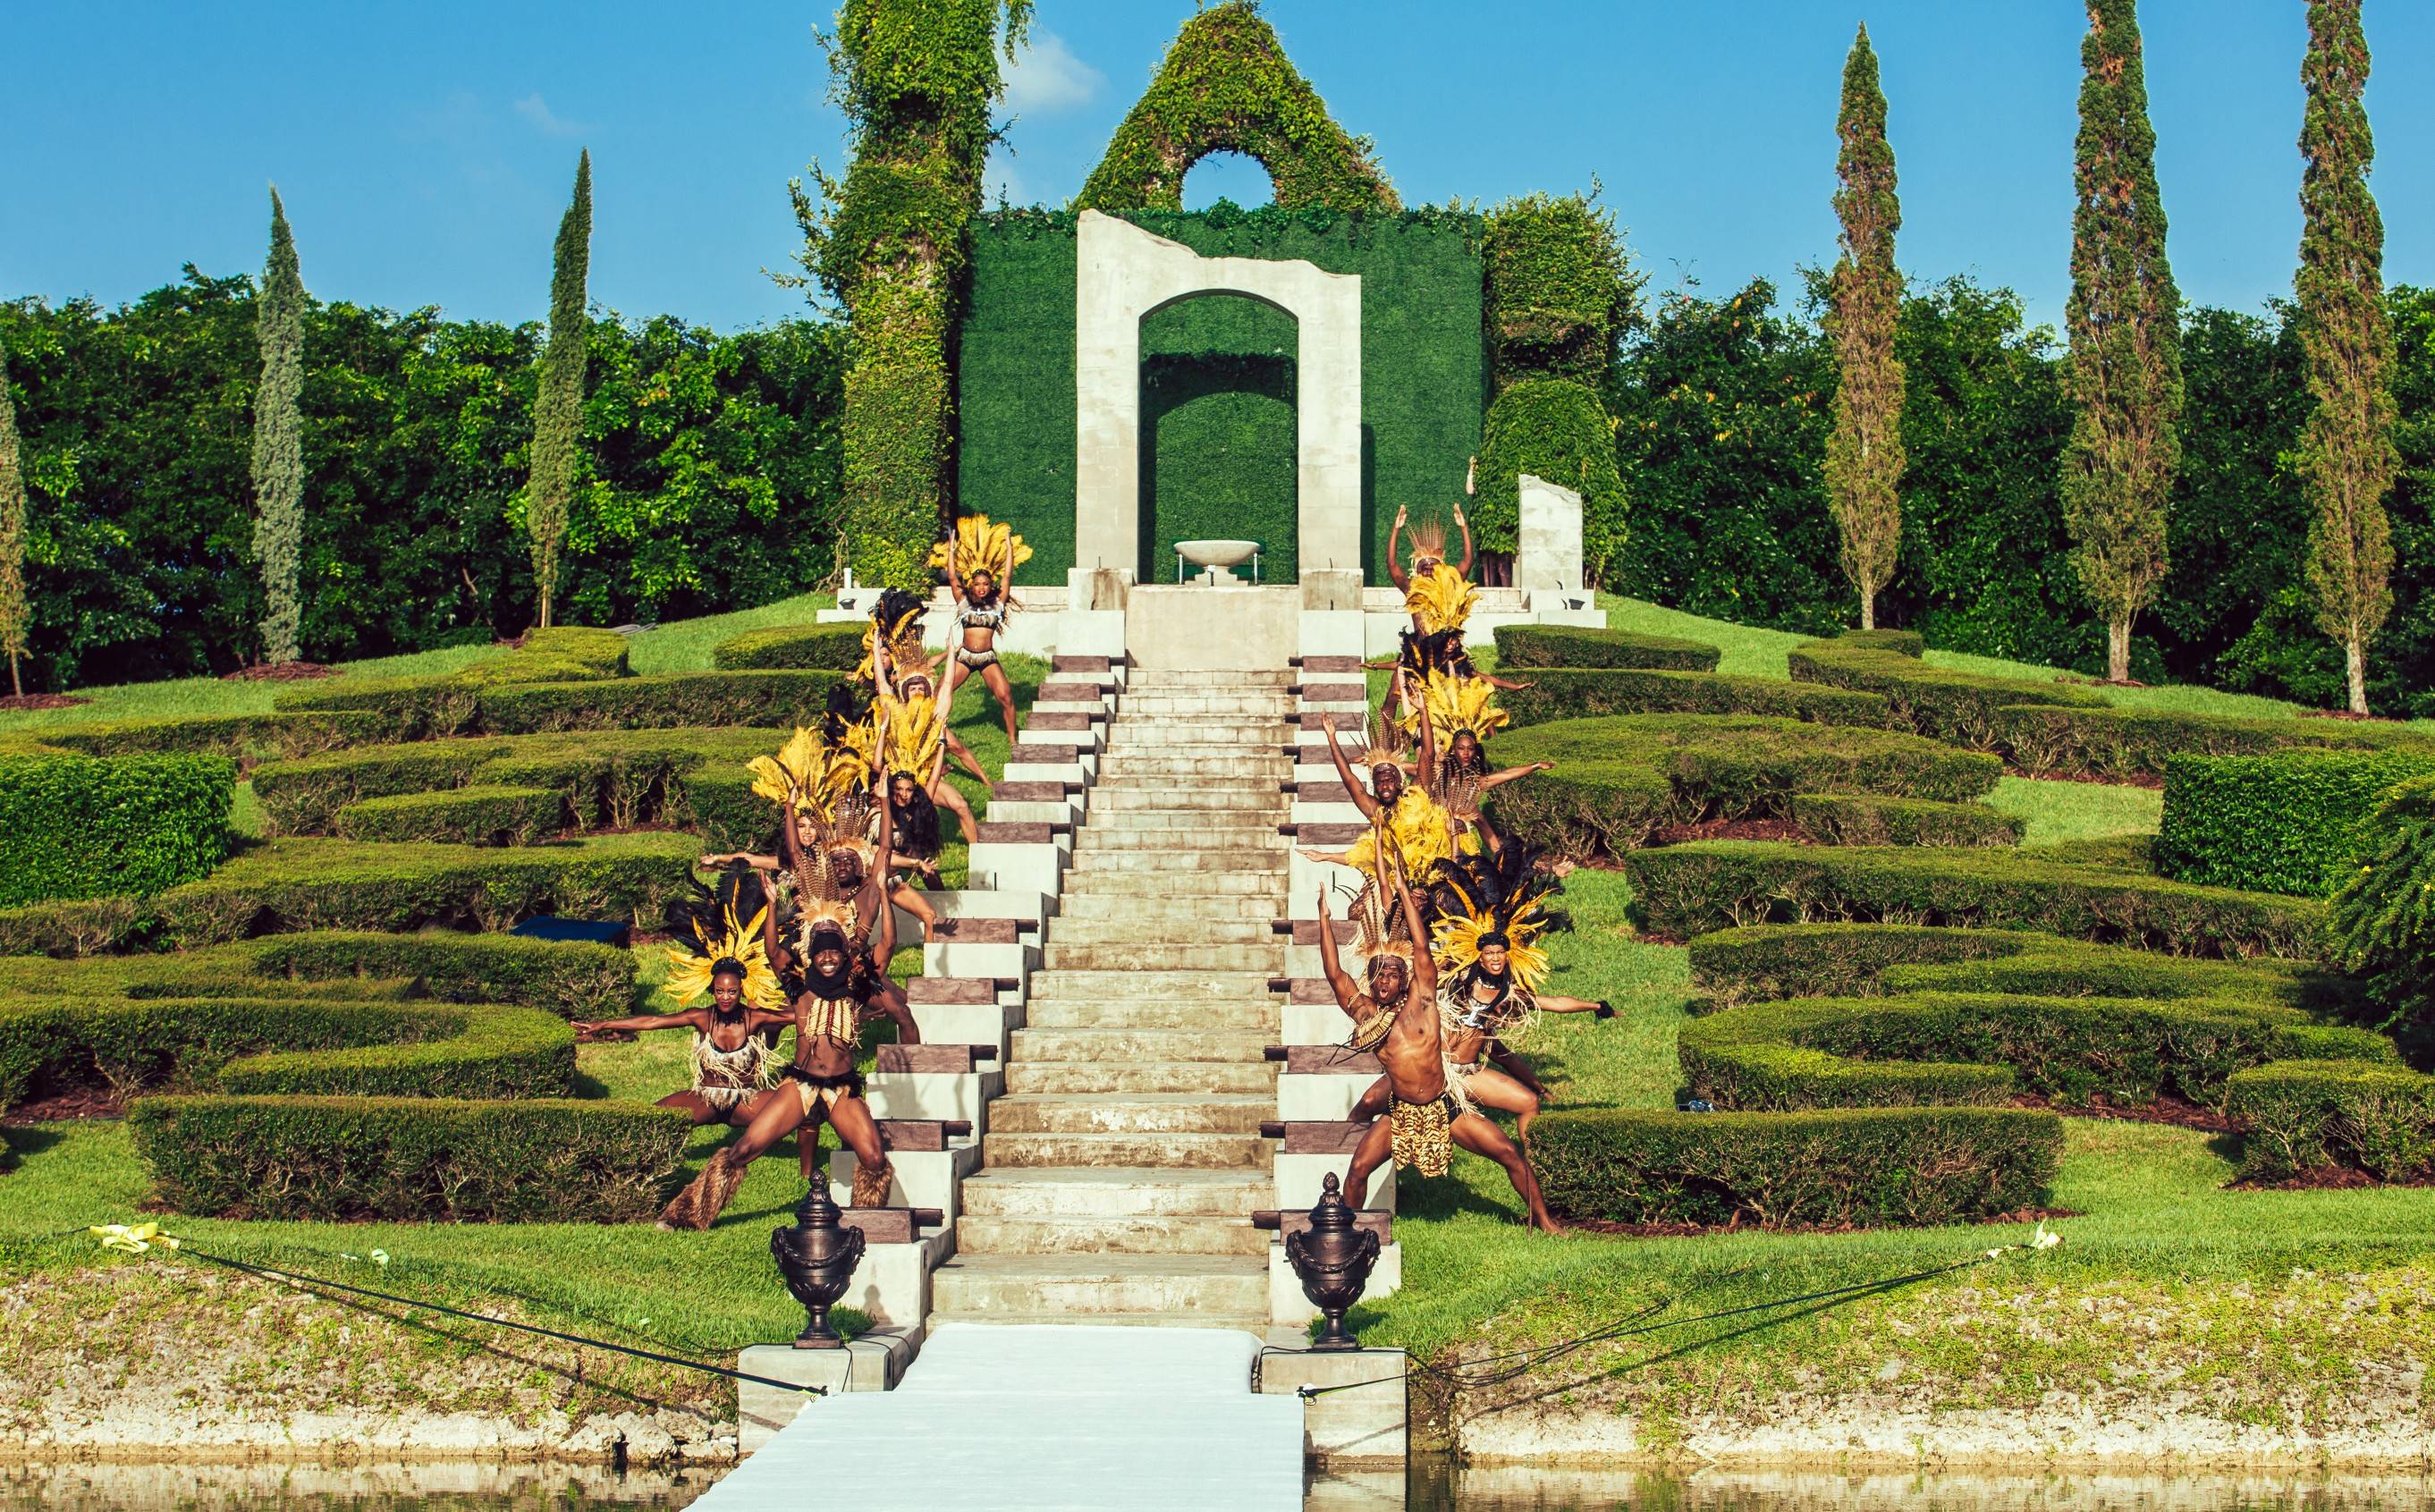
pixel 605 1037
pixel 1782 831
pixel 41 701
pixel 280 672
pixel 90 1102
pixel 2147 780
pixel 2077 680
pixel 2344 713
pixel 1693 1230
pixel 2172 1110
pixel 2325 1179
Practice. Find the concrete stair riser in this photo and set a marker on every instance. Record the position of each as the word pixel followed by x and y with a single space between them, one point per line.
pixel 1084 1292
pixel 1115 1045
pixel 1185 797
pixel 1179 913
pixel 1152 860
pixel 1085 1076
pixel 1226 1152
pixel 1174 1113
pixel 1133 1013
pixel 1267 883
pixel 1112 1236
pixel 1161 957
pixel 1128 928
pixel 1250 827
pixel 1212 985
pixel 1110 1192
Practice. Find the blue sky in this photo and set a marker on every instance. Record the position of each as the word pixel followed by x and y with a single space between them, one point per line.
pixel 426 151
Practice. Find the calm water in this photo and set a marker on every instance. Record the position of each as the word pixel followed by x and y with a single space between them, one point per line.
pixel 448 1487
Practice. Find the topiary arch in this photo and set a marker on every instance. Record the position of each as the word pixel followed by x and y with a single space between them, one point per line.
pixel 1226 86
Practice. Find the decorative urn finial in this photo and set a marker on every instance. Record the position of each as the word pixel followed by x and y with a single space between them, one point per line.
pixel 1332 1260
pixel 817 1257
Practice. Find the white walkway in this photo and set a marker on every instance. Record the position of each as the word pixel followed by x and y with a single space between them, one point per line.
pixel 1024 1418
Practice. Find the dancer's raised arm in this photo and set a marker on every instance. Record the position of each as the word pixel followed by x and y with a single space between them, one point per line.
pixel 1362 799
pixel 1425 966
pixel 1340 982
pixel 1464 523
pixel 1395 559
pixel 1511 773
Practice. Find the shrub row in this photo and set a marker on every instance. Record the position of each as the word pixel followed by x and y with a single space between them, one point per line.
pixel 484 813
pixel 1580 693
pixel 1944 1048
pixel 1572 645
pixel 571 979
pixel 2304 1115
pixel 1616 780
pixel 244 736
pixel 2124 743
pixel 1858 819
pixel 814 647
pixel 1691 889
pixel 87 826
pixel 562 653
pixel 408 1160
pixel 1938 702
pixel 2286 823
pixel 428 708
pixel 1853 1168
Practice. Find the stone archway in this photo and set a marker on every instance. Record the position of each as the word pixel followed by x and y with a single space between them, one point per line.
pixel 1123 274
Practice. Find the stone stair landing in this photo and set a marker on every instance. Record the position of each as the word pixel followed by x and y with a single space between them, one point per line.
pixel 1123 1164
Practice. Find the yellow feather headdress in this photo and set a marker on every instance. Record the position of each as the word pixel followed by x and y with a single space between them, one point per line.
pixel 1505 894
pixel 915 734
pixel 1442 598
pixel 897 619
pixel 1428 541
pixel 827 893
pixel 1416 831
pixel 1456 704
pixel 689 965
pixel 981 544
pixel 813 774
pixel 1384 743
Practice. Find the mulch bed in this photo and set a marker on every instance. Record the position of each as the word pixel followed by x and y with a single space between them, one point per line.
pixel 2344 713
pixel 41 701
pixel 2171 1111
pixel 1783 831
pixel 2149 780
pixel 280 672
pixel 91 1101
pixel 2325 1179
pixel 2077 680
pixel 1694 1230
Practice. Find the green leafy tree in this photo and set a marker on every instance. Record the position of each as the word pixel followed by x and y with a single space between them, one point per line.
pixel 2346 456
pixel 1864 451
pixel 2383 915
pixel 12 535
pixel 558 410
pixel 279 441
pixel 2125 367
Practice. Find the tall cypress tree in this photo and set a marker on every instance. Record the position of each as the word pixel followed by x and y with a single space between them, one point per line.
pixel 558 410
pixel 13 618
pixel 1864 455
pixel 279 441
pixel 2125 367
pixel 2346 454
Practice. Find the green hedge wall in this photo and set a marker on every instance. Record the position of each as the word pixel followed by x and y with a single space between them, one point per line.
pixel 245 736
pixel 1854 819
pixel 2286 822
pixel 85 825
pixel 792 647
pixel 2136 743
pixel 408 1160
pixel 569 978
pixel 2366 1115
pixel 1850 1168
pixel 1422 352
pixel 1685 890
pixel 478 813
pixel 1936 702
pixel 1578 645
pixel 1616 780
pixel 404 709
pixel 1585 693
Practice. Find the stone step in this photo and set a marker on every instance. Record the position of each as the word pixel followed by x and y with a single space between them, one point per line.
pixel 1094 1078
pixel 1170 703
pixel 1184 677
pixel 1147 860
pixel 1082 1288
pixel 1251 785
pixel 1160 831
pixel 1219 764
pixel 1114 1192
pixel 1136 1113
pixel 1100 986
pixel 1110 1045
pixel 1179 797
pixel 1260 1325
pixel 1216 738
pixel 1109 1236
pixel 1147 1011
pixel 1133 930
pixel 1170 909
pixel 1198 1151
pixel 1160 956
pixel 1268 882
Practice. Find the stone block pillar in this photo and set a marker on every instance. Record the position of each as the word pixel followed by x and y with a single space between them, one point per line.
pixel 1548 557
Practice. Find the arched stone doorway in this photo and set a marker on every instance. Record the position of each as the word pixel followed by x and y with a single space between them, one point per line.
pixel 1217 430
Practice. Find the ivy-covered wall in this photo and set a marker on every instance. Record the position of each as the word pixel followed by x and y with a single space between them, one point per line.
pixel 1212 386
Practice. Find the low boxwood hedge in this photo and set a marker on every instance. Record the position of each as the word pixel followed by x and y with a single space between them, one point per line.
pixel 2289 821
pixel 1616 780
pixel 817 648
pixel 1938 702
pixel 482 814
pixel 1860 818
pixel 1846 1168
pixel 2366 1115
pixel 1577 645
pixel 2137 742
pixel 1901 642
pixel 244 736
pixel 1581 693
pixel 562 653
pixel 404 708
pixel 305 797
pixel 1692 889
pixel 569 978
pixel 408 1160
pixel 89 827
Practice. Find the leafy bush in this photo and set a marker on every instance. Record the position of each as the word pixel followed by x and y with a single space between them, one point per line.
pixel 1849 1168
pixel 1851 819
pixel 817 648
pixel 2384 913
pixel 1560 287
pixel 1584 693
pixel 2138 743
pixel 408 1160
pixel 1901 642
pixel 2302 1115
pixel 1616 780
pixel 1936 702
pixel 481 814
pixel 87 827
pixel 281 735
pixel 571 979
pixel 409 709
pixel 1684 890
pixel 2286 822
pixel 1575 645
pixel 1559 431
pixel 305 797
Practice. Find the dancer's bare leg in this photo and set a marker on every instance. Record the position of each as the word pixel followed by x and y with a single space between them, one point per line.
pixel 1377 1144
pixel 1474 1132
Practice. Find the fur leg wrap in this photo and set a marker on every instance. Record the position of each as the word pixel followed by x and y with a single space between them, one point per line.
pixel 871 1183
pixel 700 1204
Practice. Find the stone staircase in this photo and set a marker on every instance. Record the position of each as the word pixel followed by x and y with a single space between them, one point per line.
pixel 1124 1160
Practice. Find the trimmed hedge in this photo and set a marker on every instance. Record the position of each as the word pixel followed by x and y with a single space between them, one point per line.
pixel 562 653
pixel 1851 1168
pixel 817 648
pixel 1855 818
pixel 2137 742
pixel 1619 779
pixel 1691 889
pixel 1573 645
pixel 1938 702
pixel 86 826
pixel 1583 692
pixel 279 735
pixel 2366 1115
pixel 2286 822
pixel 1901 642
pixel 482 814
pixel 1947 1048
pixel 569 978
pixel 404 709
pixel 408 1160
pixel 305 797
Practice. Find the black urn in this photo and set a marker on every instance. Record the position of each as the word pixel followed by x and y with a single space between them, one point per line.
pixel 1332 1260
pixel 817 1257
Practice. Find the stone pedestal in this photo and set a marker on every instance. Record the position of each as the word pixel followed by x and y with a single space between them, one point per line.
pixel 874 1362
pixel 1364 1425
pixel 1548 554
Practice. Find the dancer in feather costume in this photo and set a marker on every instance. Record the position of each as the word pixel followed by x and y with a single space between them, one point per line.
pixel 980 563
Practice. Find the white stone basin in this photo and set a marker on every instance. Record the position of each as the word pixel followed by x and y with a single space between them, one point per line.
pixel 1217 552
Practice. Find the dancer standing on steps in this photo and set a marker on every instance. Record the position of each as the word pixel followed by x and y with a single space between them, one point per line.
pixel 980 562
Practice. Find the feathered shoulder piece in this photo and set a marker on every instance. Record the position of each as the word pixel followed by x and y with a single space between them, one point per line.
pixel 1442 598
pixel 1457 704
pixel 915 732
pixel 896 620
pixel 722 923
pixel 1499 898
pixel 981 544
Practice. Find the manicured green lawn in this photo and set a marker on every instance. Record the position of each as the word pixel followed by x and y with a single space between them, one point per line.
pixel 1750 652
pixel 2077 811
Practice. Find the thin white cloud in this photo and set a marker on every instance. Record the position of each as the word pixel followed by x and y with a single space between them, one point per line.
pixel 1046 77
pixel 536 110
